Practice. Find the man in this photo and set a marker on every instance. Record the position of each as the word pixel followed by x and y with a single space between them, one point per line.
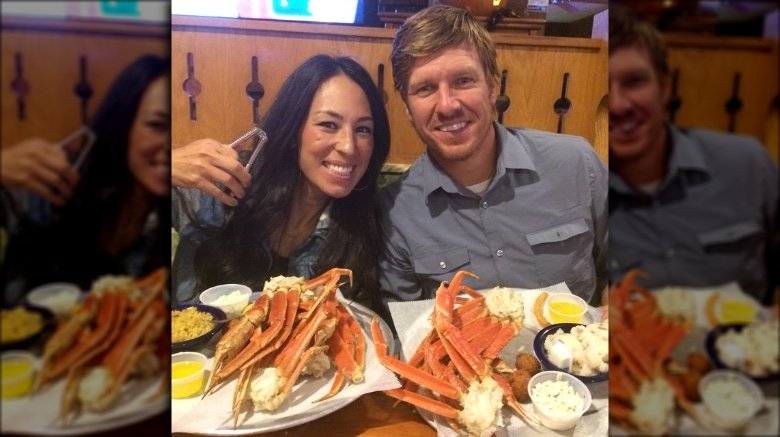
pixel 517 207
pixel 689 207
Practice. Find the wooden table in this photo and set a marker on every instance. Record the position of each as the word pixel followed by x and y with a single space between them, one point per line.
pixel 371 415
pixel 155 426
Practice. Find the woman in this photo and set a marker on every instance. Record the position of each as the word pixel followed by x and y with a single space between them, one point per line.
pixel 310 204
pixel 117 220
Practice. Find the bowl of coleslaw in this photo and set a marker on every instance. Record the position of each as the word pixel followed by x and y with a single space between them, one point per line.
pixel 559 399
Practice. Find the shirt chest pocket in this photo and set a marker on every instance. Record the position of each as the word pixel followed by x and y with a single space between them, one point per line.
pixel 563 253
pixel 734 252
pixel 729 237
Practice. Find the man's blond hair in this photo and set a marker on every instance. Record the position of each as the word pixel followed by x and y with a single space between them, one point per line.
pixel 433 29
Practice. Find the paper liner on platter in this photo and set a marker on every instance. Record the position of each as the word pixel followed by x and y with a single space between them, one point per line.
pixel 412 321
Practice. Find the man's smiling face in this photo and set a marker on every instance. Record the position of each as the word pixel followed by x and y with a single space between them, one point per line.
pixel 637 98
pixel 450 101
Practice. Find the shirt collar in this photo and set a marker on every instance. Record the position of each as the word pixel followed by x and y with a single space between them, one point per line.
pixel 686 156
pixel 324 221
pixel 512 155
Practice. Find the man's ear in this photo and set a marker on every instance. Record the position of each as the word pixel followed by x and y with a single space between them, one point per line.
pixel 493 84
pixel 408 113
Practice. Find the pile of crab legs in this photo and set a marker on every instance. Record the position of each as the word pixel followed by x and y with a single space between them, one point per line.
pixel 116 332
pixel 642 339
pixel 278 337
pixel 458 357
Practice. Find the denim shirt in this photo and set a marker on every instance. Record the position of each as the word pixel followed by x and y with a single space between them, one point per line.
pixel 24 205
pixel 212 212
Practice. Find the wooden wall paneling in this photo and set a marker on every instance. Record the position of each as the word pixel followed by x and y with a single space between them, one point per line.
pixel 601 140
pixel 51 50
pixel 222 50
pixel 535 78
pixel 224 73
pixel 707 68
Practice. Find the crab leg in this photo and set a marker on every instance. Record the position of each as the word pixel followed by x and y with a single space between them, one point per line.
pixel 460 352
pixel 331 277
pixel 119 375
pixel 237 338
pixel 295 371
pixel 293 299
pixel 242 386
pixel 119 355
pixel 501 339
pixel 470 311
pixel 153 285
pixel 424 402
pixel 66 334
pixel 117 362
pixel 117 319
pixel 260 338
pixel 287 359
pixel 478 327
pixel 87 340
pixel 411 373
pixel 350 340
pixel 68 400
pixel 338 383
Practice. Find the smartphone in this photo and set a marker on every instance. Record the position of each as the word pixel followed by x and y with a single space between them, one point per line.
pixel 77 146
pixel 248 146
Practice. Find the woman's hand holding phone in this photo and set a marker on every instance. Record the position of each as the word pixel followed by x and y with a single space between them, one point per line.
pixel 205 163
pixel 41 167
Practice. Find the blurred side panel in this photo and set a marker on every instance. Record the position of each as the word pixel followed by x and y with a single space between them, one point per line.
pixel 729 84
pixel 43 45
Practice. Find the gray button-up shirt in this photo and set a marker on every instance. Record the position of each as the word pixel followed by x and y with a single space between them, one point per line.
pixel 541 221
pixel 711 221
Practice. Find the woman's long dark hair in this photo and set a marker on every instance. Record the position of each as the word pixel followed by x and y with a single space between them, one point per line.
pixel 235 253
pixel 71 247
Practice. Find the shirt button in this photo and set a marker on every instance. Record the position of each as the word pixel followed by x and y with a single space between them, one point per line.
pixel 484 205
pixel 443 265
pixel 670 253
pixel 499 252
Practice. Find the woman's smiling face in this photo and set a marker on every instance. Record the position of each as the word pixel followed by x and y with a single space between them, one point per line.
pixel 337 138
pixel 148 152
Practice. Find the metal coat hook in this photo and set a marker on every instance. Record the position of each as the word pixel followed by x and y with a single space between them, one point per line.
pixel 380 82
pixel 255 91
pixel 19 86
pixel 674 100
pixel 563 104
pixel 191 86
pixel 502 101
pixel 734 104
pixel 83 89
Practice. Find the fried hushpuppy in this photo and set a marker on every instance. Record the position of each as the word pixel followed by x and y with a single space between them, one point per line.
pixel 519 382
pixel 528 362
